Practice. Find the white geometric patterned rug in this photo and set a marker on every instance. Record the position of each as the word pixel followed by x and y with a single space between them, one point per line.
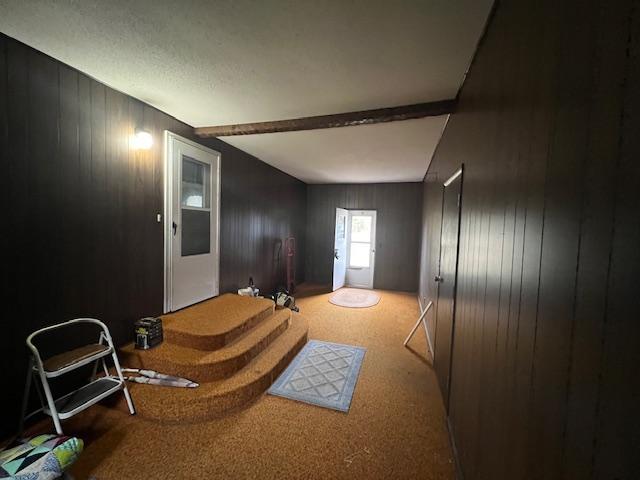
pixel 323 374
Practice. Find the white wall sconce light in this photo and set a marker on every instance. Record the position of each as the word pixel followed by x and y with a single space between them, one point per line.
pixel 142 140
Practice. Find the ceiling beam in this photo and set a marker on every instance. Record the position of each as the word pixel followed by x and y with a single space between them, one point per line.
pixel 364 117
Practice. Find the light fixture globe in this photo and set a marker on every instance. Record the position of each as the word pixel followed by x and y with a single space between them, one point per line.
pixel 142 140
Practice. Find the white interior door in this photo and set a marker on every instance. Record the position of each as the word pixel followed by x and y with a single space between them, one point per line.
pixel 340 249
pixel 192 215
pixel 361 248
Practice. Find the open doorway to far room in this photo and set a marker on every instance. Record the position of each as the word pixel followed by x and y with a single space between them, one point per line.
pixel 354 250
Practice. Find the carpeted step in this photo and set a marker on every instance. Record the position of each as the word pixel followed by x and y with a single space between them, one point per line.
pixel 214 323
pixel 202 366
pixel 210 400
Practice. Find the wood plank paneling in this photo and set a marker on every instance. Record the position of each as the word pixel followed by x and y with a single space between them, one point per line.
pixel 597 220
pixel 69 162
pixel 261 206
pixel 81 232
pixel 397 230
pixel 617 446
pixel 546 337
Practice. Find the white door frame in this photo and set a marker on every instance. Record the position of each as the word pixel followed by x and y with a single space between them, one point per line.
pixel 168 214
pixel 372 254
pixel 339 277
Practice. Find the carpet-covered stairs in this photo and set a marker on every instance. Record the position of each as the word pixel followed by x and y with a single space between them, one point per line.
pixel 234 347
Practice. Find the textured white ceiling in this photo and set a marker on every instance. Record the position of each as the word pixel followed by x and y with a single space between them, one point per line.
pixel 236 61
pixel 389 152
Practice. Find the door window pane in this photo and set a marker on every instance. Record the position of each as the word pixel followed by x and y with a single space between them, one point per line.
pixel 361 228
pixel 195 183
pixel 360 255
pixel 341 228
pixel 196 232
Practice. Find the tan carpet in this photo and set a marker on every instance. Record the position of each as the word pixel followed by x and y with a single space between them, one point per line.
pixel 395 428
pixel 194 327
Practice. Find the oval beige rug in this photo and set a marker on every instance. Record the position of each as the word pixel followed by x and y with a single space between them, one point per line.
pixel 355 298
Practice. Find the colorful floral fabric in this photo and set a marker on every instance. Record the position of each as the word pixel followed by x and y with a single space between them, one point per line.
pixel 43 457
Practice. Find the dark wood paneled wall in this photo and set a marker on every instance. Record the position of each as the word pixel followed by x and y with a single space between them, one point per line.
pixel 79 232
pixel 546 349
pixel 260 207
pixel 397 231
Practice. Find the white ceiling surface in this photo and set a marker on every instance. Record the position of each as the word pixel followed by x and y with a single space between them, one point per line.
pixel 384 152
pixel 238 61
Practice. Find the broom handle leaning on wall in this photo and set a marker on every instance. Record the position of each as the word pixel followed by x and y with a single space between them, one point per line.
pixel 415 327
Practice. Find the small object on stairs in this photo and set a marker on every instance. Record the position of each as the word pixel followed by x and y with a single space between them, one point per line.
pixel 78 400
pixel 284 300
pixel 148 332
pixel 250 291
pixel 151 377
pixel 426 330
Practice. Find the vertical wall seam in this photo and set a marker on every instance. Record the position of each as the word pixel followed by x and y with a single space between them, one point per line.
pixel 594 68
pixel 550 148
pixel 614 213
pixel 5 54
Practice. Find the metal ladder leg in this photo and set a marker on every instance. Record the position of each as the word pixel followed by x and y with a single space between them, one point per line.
pixel 50 402
pixel 125 390
pixel 107 337
pixel 25 398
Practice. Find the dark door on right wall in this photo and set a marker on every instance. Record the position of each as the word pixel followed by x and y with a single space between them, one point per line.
pixel 447 280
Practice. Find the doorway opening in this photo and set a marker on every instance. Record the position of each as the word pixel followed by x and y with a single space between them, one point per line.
pixel 354 249
pixel 191 222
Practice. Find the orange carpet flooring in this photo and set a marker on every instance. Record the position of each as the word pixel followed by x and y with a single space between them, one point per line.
pixel 395 428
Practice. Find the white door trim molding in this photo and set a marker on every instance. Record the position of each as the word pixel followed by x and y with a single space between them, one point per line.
pixel 168 213
pixel 453 177
pixel 340 249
